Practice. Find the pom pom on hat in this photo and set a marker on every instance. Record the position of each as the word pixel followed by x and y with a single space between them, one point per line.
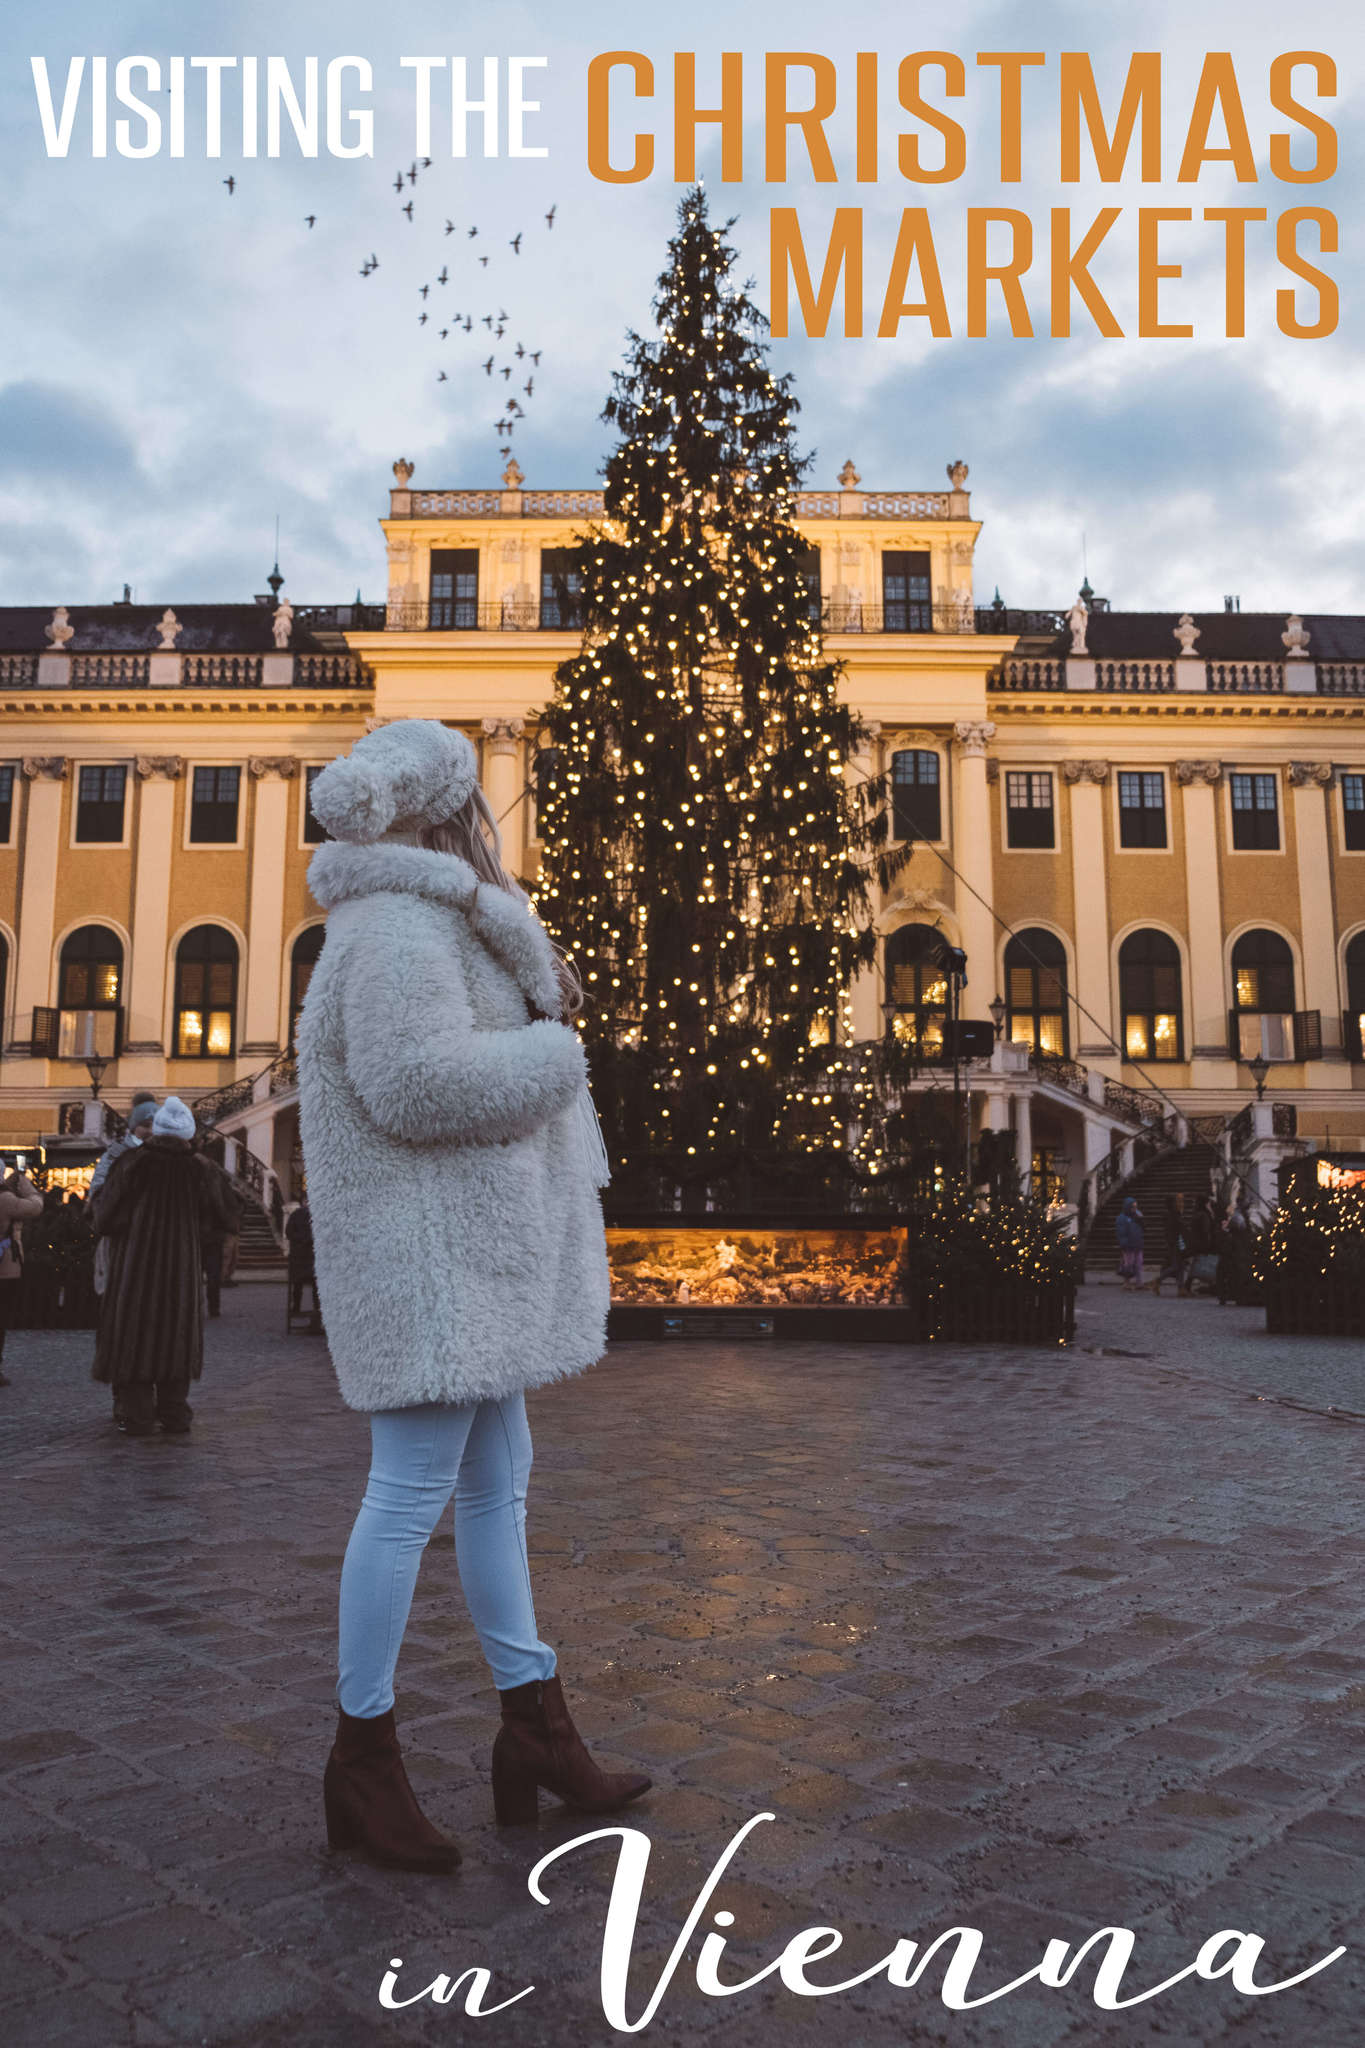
pixel 414 772
pixel 173 1120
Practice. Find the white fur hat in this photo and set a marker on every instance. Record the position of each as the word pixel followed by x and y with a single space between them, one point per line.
pixel 413 772
pixel 173 1120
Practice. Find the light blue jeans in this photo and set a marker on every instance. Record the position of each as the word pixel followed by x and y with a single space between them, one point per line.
pixel 420 1456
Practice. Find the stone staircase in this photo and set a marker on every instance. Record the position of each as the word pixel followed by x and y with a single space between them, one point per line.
pixel 258 1252
pixel 1188 1172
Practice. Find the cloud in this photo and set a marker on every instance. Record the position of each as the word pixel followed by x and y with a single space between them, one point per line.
pixel 49 432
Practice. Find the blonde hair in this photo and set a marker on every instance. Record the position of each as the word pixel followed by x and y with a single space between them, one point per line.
pixel 473 835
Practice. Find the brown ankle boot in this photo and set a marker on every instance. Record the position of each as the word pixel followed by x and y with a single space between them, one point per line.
pixel 370 1804
pixel 537 1745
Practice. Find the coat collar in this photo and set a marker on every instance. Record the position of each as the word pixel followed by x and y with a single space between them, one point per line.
pixel 338 872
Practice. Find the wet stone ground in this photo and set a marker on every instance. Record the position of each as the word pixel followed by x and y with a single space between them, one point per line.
pixel 1030 1642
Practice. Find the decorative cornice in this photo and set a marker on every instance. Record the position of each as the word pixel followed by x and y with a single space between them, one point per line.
pixel 162 704
pixel 1310 774
pixel 284 765
pixel 171 766
pixel 1085 771
pixel 1186 772
pixel 48 767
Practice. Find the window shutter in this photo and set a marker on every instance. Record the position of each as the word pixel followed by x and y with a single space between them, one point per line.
pixel 43 1037
pixel 1350 1035
pixel 1234 1037
pixel 1308 1034
pixel 118 1030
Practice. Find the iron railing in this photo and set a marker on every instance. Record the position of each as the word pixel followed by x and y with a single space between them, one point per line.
pixel 1131 1104
pixel 1061 1072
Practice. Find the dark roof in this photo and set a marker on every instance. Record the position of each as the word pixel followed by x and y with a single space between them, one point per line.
pixel 204 628
pixel 1223 636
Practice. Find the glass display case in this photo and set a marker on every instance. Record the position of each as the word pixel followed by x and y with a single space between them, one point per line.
pixel 737 1265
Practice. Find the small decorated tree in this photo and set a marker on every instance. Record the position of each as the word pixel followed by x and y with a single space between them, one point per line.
pixel 1312 1260
pixel 994 1271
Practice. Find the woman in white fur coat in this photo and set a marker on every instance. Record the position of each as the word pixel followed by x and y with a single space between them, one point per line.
pixel 454 1164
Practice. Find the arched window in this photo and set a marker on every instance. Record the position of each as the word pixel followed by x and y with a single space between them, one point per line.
pixel 1149 997
pixel 917 986
pixel 1353 1034
pixel 205 993
pixel 1262 1021
pixel 916 804
pixel 1035 991
pixel 89 983
pixel 302 961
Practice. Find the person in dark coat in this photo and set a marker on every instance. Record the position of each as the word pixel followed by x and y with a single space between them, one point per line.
pixel 157 1206
pixel 20 1201
pixel 1131 1233
pixel 216 1238
pixel 299 1235
pixel 1176 1259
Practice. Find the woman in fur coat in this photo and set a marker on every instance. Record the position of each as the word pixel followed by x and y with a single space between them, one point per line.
pixel 158 1203
pixel 454 1165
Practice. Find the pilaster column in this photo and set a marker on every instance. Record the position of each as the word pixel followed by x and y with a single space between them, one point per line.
pixel 1094 1023
pixel 503 779
pixel 972 855
pixel 44 775
pixel 156 776
pixel 1208 995
pixel 868 1021
pixel 265 913
pixel 1310 782
pixel 1023 1139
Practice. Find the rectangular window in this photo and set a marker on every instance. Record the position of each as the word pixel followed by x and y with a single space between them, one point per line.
pixel 214 796
pixel 99 806
pixel 907 600
pixel 454 589
pixel 313 832
pixel 916 808
pixel 561 590
pixel 6 803
pixel 808 569
pixel 1352 811
pixel 1255 814
pixel 1029 817
pixel 1142 808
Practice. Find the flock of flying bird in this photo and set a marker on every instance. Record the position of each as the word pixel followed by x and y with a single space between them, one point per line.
pixel 448 323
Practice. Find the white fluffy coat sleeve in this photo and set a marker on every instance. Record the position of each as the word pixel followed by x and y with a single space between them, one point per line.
pixel 414 1056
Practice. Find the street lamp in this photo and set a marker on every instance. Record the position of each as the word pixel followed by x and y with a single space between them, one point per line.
pixel 1260 1067
pixel 997 1009
pixel 95 1067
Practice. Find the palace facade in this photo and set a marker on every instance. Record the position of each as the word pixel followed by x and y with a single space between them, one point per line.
pixel 1145 831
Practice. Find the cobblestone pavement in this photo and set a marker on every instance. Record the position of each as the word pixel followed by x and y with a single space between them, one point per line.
pixel 1032 1642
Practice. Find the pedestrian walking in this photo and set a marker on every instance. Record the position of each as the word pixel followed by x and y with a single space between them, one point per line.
pixel 19 1201
pixel 454 1165
pixel 1176 1248
pixel 156 1206
pixel 218 1233
pixel 1235 1235
pixel 139 1124
pixel 1131 1233
pixel 298 1232
pixel 1203 1268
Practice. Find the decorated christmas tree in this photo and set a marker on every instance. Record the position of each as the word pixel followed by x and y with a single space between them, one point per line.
pixel 707 860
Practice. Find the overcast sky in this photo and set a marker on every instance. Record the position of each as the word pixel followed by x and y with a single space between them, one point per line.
pixel 180 365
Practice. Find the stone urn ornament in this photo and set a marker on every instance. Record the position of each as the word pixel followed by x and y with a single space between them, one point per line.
pixel 1295 638
pixel 957 474
pixel 60 629
pixel 168 626
pixel 1186 633
pixel 402 470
